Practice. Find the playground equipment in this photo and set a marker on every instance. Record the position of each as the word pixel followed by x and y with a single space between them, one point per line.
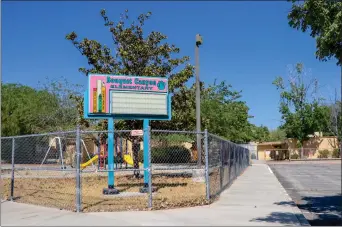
pixel 129 160
pixel 103 156
pixel 57 140
pixel 90 161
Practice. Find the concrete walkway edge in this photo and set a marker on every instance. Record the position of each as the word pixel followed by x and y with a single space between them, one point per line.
pixel 256 198
pixel 296 210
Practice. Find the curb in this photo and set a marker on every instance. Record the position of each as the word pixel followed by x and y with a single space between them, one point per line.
pixel 296 211
pixel 316 159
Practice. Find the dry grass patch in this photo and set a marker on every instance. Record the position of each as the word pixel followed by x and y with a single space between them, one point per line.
pixel 173 191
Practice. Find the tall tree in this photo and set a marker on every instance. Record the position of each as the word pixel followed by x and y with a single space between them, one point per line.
pixel 23 108
pixel 324 20
pixel 224 113
pixel 65 115
pixel 135 53
pixel 334 116
pixel 277 135
pixel 300 107
pixel 259 134
pixel 48 108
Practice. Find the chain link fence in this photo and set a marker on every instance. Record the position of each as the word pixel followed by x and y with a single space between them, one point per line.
pixel 178 177
pixel 300 154
pixel 35 169
pixel 314 153
pixel 227 161
pixel 153 170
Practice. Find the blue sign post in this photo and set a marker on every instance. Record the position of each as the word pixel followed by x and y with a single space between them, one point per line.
pixel 127 98
pixel 111 144
pixel 146 125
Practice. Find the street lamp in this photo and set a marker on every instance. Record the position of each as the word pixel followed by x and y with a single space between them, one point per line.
pixel 198 102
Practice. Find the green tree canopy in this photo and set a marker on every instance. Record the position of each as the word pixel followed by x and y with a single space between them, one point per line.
pixel 301 109
pixel 27 110
pixel 135 53
pixel 22 108
pixel 149 54
pixel 323 18
pixel 223 113
pixel 259 134
pixel 277 135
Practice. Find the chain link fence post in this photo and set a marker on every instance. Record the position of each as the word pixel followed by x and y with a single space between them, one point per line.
pixel 78 171
pixel 207 181
pixel 12 170
pixel 149 169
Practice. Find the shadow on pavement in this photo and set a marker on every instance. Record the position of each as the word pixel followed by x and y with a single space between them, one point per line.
pixel 323 211
pixel 278 217
pixel 327 209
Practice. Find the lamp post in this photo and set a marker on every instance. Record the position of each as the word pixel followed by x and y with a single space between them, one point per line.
pixel 198 102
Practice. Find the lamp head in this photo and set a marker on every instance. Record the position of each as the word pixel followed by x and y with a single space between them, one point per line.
pixel 198 40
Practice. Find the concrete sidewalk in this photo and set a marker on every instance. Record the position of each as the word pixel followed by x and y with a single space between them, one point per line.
pixel 255 198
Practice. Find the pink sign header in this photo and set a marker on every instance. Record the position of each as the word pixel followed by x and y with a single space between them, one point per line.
pixel 100 85
pixel 131 83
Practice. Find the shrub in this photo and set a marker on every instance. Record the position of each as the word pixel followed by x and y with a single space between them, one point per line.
pixel 323 154
pixel 6 150
pixel 294 156
pixel 171 139
pixel 170 154
pixel 336 153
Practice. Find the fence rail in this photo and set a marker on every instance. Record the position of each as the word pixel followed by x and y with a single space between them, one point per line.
pixel 69 170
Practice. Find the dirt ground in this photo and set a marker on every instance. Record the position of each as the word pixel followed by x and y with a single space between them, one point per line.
pixel 173 191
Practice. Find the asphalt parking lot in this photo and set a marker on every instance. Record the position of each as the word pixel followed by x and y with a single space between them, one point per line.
pixel 315 187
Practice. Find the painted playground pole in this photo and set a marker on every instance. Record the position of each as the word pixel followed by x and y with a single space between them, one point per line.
pixel 146 126
pixel 111 153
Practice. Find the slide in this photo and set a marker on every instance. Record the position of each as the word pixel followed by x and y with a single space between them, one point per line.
pixel 129 160
pixel 94 159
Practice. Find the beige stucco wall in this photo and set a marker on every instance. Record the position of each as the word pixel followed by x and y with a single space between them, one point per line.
pixel 264 150
pixel 311 147
pixel 319 143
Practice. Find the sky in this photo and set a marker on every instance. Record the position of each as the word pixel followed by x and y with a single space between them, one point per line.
pixel 246 44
